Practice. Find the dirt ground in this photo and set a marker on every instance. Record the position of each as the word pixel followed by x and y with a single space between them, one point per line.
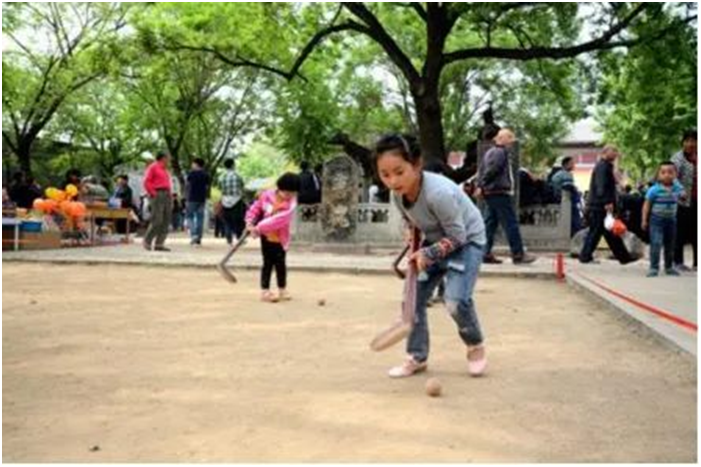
pixel 139 364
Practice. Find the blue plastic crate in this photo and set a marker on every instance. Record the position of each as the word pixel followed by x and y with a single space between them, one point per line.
pixel 30 226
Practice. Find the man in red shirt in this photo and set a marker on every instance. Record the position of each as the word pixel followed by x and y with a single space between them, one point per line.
pixel 158 187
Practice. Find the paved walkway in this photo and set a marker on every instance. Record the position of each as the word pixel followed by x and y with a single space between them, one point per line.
pixel 668 305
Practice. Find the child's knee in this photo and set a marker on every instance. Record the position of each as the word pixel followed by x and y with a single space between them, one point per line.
pixel 459 307
pixel 453 308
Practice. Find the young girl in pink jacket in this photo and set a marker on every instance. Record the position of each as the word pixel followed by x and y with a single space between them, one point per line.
pixel 270 218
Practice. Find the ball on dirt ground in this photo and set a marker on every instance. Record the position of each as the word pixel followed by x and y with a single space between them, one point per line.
pixel 321 302
pixel 433 387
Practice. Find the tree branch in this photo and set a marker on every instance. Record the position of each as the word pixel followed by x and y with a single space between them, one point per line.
pixel 507 7
pixel 8 141
pixel 492 22
pixel 416 6
pixel 39 95
pixel 376 32
pixel 238 61
pixel 517 31
pixel 13 119
pixel 234 62
pixel 44 118
pixel 603 42
pixel 318 37
pixel 658 35
pixel 60 30
pixel 455 11
pixel 24 48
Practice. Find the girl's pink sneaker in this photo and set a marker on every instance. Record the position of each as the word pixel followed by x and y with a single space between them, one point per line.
pixel 408 368
pixel 476 360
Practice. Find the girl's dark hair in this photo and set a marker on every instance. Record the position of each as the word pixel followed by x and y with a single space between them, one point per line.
pixel 405 145
pixel 288 182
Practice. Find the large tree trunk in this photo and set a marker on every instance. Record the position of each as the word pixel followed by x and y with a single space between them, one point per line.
pixel 177 170
pixel 174 151
pixel 425 92
pixel 428 114
pixel 24 151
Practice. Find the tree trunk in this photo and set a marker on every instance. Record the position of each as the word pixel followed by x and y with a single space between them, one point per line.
pixel 428 114
pixel 177 170
pixel 174 151
pixel 7 170
pixel 426 93
pixel 24 150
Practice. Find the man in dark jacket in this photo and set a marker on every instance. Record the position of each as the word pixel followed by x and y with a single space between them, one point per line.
pixel 197 190
pixel 495 183
pixel 310 186
pixel 602 200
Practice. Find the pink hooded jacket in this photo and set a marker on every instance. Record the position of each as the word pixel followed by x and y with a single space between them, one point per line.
pixel 262 212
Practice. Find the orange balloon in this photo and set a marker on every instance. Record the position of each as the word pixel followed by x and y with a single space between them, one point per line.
pixel 65 208
pixel 50 206
pixel 38 204
pixel 74 209
pixel 79 209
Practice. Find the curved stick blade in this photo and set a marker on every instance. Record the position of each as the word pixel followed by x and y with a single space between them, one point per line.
pixel 221 266
pixel 226 274
pixel 390 336
pixel 402 327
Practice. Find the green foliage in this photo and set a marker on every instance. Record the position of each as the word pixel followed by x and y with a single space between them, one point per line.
pixel 649 97
pixel 199 79
pixel 307 115
pixel 100 118
pixel 261 160
pixel 40 75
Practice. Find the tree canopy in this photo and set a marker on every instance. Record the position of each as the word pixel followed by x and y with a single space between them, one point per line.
pixel 205 79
